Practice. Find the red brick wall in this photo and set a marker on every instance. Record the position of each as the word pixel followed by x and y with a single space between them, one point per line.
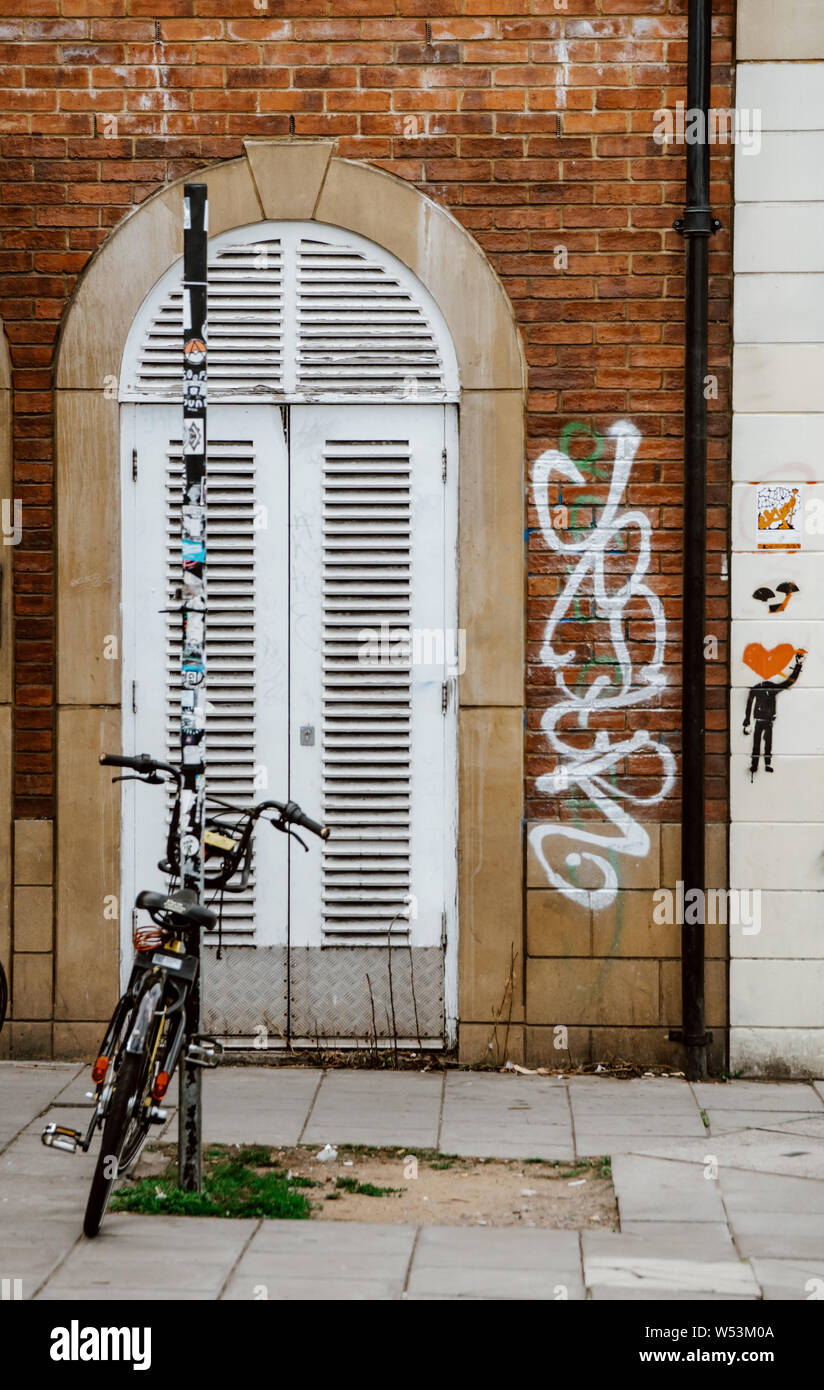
pixel 532 123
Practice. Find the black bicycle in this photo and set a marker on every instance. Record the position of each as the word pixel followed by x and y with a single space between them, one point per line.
pixel 148 1030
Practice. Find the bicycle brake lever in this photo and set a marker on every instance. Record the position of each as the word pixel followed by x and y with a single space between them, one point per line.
pixel 287 830
pixel 133 777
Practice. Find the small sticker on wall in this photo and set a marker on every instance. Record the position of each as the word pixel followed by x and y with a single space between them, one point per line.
pixel 777 598
pixel 778 511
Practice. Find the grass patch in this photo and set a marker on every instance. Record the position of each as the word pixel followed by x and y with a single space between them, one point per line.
pixel 598 1167
pixel 365 1189
pixel 706 1119
pixel 231 1187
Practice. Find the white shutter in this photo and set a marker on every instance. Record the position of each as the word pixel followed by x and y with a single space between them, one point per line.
pixel 372 545
pixel 245 327
pixel 246 637
pixel 366 704
pixel 359 329
pixel 298 312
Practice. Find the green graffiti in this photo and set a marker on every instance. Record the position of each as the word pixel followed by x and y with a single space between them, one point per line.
pixel 577 427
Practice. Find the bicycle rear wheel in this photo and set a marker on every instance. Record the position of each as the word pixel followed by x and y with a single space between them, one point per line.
pixel 124 1099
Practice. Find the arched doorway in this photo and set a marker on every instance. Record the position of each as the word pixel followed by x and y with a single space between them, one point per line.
pixel 288 183
pixel 332 637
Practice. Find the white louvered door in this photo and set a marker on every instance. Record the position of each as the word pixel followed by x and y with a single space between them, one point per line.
pixel 372 748
pixel 246 638
pixel 331 642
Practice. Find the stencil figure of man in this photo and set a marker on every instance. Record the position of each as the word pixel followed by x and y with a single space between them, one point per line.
pixel 761 703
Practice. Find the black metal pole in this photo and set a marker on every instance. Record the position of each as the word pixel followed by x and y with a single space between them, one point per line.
pixel 193 643
pixel 696 226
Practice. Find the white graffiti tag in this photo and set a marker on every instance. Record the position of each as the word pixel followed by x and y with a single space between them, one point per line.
pixel 589 768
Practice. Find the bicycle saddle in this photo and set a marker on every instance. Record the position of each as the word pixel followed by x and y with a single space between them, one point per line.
pixel 191 912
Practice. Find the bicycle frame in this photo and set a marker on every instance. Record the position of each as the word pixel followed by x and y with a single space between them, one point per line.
pixel 163 972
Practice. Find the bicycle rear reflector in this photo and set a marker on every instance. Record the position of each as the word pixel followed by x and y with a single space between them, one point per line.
pixel 99 1070
pixel 161 1084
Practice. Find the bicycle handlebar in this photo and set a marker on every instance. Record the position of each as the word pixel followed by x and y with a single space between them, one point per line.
pixel 289 812
pixel 141 763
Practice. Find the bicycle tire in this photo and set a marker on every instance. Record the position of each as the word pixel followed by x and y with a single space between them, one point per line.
pixel 115 1129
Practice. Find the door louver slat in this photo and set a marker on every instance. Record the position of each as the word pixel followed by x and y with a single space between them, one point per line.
pixel 358 330
pixel 230 637
pixel 367 501
pixel 297 318
pixel 245 325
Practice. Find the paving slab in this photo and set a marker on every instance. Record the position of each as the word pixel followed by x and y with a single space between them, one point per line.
pixel 756 1150
pixel 812 1128
pixel 728 1121
pixel 790 1279
pixel 34 1179
pixel 506 1117
pixel 599 1293
pixel 779 1235
pixel 770 1192
pixel 451 1262
pixel 31 1247
pixel 291 1260
pixel 652 1189
pixel 684 1264
pixel 26 1089
pixel 757 1095
pixel 710 1238
pixel 255 1105
pixel 774 1216
pixel 608 1112
pixel 132 1258
pixel 396 1109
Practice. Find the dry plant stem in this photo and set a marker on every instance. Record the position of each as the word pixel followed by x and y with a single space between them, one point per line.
pixel 509 989
pixel 391 990
pixel 374 1023
pixel 414 1000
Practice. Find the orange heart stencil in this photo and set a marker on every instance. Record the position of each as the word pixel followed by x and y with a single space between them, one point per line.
pixel 768 663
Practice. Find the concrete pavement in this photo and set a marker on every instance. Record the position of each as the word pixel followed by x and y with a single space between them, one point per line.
pixel 720 1191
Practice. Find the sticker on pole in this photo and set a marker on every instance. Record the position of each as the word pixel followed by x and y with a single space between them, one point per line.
pixel 194 352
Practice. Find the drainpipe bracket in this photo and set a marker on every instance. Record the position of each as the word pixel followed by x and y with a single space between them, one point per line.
pixel 689 1039
pixel 697 221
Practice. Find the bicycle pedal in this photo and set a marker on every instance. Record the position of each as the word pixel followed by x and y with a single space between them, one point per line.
pixel 204 1052
pixel 59 1137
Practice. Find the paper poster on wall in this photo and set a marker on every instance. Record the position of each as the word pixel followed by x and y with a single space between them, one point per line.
pixel 779 517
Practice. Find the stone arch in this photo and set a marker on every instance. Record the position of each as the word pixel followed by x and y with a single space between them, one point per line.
pixel 277 181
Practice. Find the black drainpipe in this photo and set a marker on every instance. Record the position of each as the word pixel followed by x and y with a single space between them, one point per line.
pixel 696 226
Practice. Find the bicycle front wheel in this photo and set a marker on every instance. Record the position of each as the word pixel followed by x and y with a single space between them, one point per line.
pixel 126 1096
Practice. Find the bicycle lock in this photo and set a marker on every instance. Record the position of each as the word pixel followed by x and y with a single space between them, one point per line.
pixel 193 641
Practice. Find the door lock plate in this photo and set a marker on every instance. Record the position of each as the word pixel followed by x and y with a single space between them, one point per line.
pixel 307 735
